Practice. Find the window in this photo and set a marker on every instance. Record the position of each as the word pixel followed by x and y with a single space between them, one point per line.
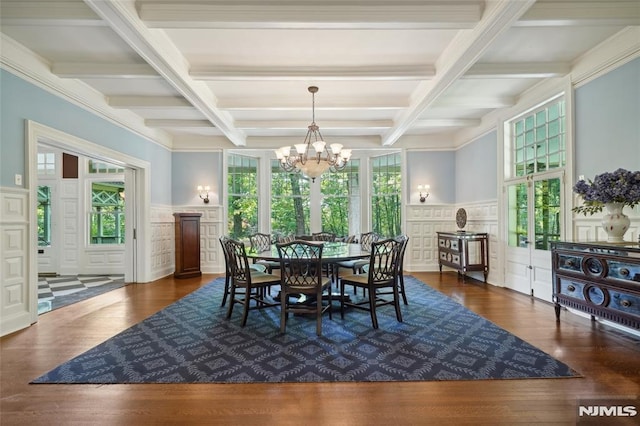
pixel 538 140
pixel 290 192
pixel 46 163
pixel 100 167
pixel 242 183
pixel 341 200
pixel 386 195
pixel 537 145
pixel 44 216
pixel 106 219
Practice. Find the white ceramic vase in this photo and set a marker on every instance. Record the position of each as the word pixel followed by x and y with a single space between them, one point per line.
pixel 614 222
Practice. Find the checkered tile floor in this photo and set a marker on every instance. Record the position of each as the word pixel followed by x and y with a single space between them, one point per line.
pixel 51 287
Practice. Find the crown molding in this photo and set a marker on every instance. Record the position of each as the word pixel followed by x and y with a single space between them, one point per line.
pixel 22 62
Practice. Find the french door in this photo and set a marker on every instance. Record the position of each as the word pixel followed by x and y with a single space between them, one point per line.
pixel 534 220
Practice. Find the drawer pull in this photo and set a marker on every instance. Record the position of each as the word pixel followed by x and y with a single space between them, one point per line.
pixel 626 303
pixel 571 287
pixel 624 272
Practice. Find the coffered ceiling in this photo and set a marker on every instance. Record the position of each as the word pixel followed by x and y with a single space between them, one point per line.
pixel 235 73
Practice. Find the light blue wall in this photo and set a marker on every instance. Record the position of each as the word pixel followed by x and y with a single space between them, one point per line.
pixel 190 169
pixel 477 170
pixel 607 116
pixel 434 168
pixel 20 101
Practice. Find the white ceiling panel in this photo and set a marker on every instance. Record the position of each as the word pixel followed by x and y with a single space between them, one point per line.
pixel 238 71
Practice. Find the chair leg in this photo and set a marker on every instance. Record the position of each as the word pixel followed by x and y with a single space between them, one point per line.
pixel 283 310
pixel 404 295
pixel 319 312
pixel 372 307
pixel 247 302
pixel 396 303
pixel 232 299
pixel 341 299
pixel 227 281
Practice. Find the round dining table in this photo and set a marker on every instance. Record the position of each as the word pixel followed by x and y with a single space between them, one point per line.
pixel 332 252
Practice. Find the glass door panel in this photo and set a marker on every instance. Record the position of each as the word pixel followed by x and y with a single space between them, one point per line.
pixel 547 212
pixel 518 217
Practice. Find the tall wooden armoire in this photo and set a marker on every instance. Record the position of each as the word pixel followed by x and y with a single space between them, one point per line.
pixel 187 229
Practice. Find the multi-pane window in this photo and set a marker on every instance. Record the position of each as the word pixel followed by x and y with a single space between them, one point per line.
pixel 386 200
pixel 106 219
pixel 44 216
pixel 290 201
pixel 242 189
pixel 538 140
pixel 46 163
pixel 95 167
pixel 341 200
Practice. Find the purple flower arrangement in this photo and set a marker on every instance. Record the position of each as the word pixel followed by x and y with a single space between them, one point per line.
pixel 621 186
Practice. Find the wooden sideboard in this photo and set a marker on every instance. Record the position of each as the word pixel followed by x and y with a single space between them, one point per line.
pixel 464 251
pixel 601 279
pixel 187 234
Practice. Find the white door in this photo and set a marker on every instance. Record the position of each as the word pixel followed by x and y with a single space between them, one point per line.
pixel 534 220
pixel 48 241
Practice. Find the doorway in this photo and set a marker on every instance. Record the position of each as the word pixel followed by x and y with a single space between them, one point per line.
pixel 135 175
pixel 534 221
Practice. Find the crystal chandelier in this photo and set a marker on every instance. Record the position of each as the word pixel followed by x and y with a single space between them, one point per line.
pixel 313 157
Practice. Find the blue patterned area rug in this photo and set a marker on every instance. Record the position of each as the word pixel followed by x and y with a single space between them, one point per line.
pixel 191 341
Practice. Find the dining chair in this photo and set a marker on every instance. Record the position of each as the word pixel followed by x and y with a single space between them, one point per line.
pixel 404 239
pixel 227 269
pixel 323 236
pixel 262 242
pixel 366 240
pixel 301 278
pixel 382 275
pixel 247 284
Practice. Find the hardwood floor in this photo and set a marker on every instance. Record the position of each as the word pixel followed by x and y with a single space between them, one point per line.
pixel 609 361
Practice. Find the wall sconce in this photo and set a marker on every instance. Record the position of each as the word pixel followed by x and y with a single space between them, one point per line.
pixel 424 192
pixel 204 193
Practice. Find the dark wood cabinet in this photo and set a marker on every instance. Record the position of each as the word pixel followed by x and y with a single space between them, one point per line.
pixel 464 251
pixel 601 279
pixel 187 231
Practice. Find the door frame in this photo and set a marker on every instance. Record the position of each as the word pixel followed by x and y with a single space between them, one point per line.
pixel 137 271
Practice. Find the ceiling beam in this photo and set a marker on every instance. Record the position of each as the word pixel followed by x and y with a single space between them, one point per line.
pixel 345 15
pixel 566 13
pixel 41 13
pixel 148 102
pixel 519 70
pixel 279 104
pixel 165 58
pixel 446 122
pixel 324 125
pixel 83 70
pixel 463 52
pixel 315 73
pixel 175 123
pixel 465 102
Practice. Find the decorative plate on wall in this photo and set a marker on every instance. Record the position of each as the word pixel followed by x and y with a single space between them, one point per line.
pixel 461 218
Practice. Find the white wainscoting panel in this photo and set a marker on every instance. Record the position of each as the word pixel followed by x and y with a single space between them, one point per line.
pixel 425 220
pixel 589 228
pixel 14 260
pixel 162 242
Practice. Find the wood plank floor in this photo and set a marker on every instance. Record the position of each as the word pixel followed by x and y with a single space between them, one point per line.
pixel 609 361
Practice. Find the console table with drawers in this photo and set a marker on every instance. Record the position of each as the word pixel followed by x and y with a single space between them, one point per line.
pixel 601 279
pixel 464 251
